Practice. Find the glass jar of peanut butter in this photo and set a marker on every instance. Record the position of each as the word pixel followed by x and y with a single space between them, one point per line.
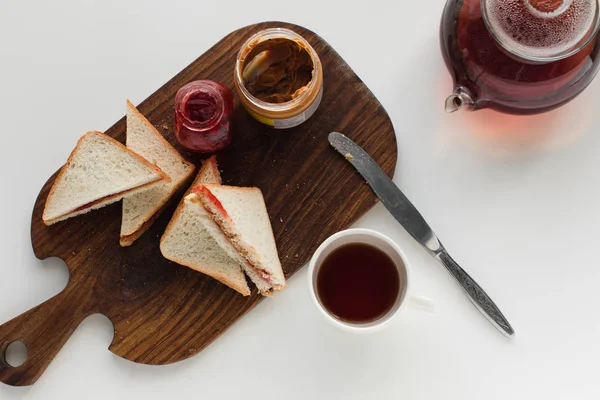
pixel 279 78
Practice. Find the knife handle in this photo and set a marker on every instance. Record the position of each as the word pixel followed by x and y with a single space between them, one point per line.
pixel 476 294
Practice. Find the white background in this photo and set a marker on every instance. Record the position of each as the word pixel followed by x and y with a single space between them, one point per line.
pixel 514 199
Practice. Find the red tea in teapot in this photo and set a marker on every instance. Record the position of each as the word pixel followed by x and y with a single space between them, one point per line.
pixel 519 56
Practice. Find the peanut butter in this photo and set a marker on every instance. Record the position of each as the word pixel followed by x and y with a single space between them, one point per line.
pixel 277 70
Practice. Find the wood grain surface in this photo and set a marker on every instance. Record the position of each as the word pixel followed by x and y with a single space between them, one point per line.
pixel 163 312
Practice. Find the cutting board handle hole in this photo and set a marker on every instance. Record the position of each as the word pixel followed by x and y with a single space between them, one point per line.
pixel 15 354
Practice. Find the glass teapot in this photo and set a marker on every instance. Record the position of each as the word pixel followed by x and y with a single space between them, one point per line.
pixel 519 56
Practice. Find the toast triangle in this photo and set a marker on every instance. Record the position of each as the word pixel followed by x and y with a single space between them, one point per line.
pixel 99 171
pixel 194 240
pixel 141 209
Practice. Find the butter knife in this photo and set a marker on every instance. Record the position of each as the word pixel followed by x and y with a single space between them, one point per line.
pixel 410 218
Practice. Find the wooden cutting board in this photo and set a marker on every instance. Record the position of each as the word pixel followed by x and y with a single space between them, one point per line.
pixel 163 312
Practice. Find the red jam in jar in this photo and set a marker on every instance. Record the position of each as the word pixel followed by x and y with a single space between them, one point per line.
pixel 203 116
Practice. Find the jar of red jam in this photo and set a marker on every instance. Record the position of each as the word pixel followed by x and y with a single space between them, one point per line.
pixel 203 116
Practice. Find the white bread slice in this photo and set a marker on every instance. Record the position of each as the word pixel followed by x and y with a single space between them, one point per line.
pixel 209 173
pixel 140 210
pixel 194 240
pixel 242 215
pixel 99 171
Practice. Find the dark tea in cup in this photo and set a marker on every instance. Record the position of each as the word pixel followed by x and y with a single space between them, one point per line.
pixel 358 283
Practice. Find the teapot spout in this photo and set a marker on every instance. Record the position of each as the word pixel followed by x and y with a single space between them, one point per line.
pixel 461 98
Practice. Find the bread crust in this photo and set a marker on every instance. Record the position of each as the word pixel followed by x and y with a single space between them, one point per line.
pixel 107 199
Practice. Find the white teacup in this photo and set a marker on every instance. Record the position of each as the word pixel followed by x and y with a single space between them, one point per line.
pixel 379 241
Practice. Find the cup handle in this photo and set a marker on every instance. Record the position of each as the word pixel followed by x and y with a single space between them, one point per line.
pixel 422 303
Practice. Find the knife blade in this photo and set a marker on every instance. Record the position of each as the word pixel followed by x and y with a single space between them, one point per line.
pixel 413 222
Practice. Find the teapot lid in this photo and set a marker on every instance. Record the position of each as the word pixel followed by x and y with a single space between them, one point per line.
pixel 542 30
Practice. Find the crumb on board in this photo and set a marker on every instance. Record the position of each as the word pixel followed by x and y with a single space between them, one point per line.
pixel 348 157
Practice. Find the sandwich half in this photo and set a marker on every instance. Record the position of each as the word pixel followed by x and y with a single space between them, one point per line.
pixel 242 215
pixel 99 171
pixel 141 209
pixel 209 173
pixel 194 240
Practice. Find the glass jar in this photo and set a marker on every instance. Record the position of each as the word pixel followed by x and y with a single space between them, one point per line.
pixel 203 116
pixel 304 101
